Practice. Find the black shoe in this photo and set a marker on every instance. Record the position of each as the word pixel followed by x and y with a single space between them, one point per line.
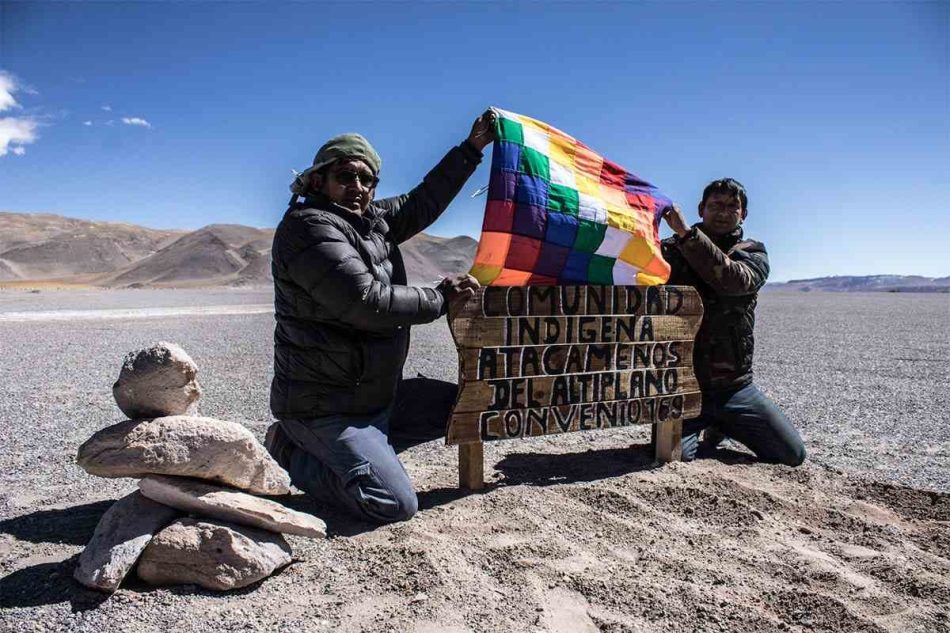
pixel 277 444
pixel 712 438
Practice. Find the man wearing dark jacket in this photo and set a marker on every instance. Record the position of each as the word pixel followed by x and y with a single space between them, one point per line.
pixel 728 271
pixel 343 313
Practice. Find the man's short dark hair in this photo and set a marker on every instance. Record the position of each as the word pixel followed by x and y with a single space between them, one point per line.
pixel 727 185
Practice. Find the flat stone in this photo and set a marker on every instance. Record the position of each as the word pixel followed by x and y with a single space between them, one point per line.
pixel 186 446
pixel 157 381
pixel 214 555
pixel 122 534
pixel 191 495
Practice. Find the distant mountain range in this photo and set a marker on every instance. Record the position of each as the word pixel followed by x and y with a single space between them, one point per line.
pixel 50 250
pixel 39 249
pixel 868 283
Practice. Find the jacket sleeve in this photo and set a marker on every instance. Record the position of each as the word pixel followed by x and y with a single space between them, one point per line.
pixel 331 270
pixel 741 271
pixel 673 257
pixel 412 212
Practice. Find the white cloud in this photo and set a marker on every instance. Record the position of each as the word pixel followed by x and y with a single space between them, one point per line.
pixel 107 108
pixel 87 123
pixel 16 132
pixel 8 85
pixel 136 121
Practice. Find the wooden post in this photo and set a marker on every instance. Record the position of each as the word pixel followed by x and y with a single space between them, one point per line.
pixel 667 438
pixel 472 466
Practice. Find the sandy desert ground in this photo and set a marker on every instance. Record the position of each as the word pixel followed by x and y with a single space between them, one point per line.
pixel 575 533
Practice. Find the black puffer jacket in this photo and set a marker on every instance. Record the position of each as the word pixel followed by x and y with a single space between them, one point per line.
pixel 342 307
pixel 728 273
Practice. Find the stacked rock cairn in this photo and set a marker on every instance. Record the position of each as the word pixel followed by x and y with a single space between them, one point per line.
pixel 195 518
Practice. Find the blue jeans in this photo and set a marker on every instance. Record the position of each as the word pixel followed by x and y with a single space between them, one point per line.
pixel 749 417
pixel 350 460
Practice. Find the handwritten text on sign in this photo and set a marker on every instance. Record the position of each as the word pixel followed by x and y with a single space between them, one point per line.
pixel 538 360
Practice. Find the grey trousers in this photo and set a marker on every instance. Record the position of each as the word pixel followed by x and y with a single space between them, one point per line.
pixel 748 416
pixel 350 460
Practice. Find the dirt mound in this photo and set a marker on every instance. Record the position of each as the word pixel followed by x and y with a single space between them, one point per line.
pixel 700 546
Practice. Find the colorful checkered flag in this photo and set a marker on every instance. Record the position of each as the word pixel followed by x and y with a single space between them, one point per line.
pixel 558 213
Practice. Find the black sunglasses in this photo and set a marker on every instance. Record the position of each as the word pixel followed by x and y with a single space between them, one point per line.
pixel 348 177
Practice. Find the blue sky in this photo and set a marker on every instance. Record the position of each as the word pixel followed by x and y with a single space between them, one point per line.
pixel 836 116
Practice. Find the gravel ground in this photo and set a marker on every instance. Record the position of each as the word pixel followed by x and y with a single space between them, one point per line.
pixel 18 300
pixel 863 376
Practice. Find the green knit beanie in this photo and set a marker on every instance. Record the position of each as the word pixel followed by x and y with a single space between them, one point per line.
pixel 338 147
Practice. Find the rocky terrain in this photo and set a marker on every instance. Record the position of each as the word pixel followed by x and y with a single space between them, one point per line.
pixel 580 532
pixel 866 283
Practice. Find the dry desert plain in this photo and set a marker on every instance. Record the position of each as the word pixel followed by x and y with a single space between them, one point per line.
pixel 577 532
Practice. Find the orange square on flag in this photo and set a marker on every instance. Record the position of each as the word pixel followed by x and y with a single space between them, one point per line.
pixel 638 253
pixel 510 277
pixel 588 163
pixel 493 249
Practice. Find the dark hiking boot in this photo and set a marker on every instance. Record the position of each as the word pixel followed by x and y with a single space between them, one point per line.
pixel 712 438
pixel 278 445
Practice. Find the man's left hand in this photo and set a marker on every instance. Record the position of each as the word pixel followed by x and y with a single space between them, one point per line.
pixel 674 218
pixel 483 130
pixel 458 289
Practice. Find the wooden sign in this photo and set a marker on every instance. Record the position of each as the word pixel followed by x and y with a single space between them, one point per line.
pixel 539 360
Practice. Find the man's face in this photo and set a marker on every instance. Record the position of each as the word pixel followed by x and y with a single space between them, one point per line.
pixel 350 183
pixel 721 213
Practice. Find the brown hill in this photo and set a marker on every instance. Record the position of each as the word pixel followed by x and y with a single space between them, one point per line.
pixel 46 246
pixel 57 250
pixel 428 257
pixel 217 254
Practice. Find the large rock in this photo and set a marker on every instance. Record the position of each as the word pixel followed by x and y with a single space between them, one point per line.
pixel 205 448
pixel 213 555
pixel 157 381
pixel 191 495
pixel 121 535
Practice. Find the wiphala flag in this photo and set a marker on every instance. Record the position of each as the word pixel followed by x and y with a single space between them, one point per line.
pixel 559 213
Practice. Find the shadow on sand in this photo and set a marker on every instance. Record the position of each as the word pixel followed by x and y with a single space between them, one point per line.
pixel 47 583
pixel 52 582
pixel 542 469
pixel 339 522
pixel 66 526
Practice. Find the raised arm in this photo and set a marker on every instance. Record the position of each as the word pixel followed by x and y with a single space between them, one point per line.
pixel 412 212
pixel 741 271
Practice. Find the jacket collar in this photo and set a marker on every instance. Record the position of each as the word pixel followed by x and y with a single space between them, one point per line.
pixel 725 242
pixel 362 223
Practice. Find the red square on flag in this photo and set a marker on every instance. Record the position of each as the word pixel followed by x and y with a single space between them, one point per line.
pixel 613 175
pixel 523 253
pixel 640 201
pixel 499 216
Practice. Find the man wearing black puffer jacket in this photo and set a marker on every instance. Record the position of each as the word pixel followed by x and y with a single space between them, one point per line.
pixel 343 313
pixel 728 271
